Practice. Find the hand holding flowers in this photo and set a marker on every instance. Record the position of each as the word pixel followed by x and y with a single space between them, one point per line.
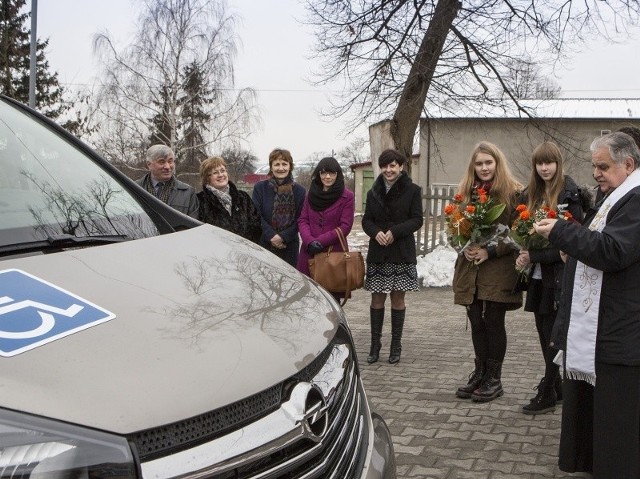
pixel 471 225
pixel 524 234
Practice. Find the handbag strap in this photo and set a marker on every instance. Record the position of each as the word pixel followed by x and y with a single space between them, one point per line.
pixel 343 241
pixel 347 258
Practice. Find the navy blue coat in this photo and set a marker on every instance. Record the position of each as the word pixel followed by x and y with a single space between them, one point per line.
pixel 263 197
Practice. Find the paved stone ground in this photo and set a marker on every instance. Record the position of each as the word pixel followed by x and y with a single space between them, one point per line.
pixel 436 435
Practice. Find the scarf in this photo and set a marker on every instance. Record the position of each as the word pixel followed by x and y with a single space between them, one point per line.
pixel 284 206
pixel 223 196
pixel 485 185
pixel 165 189
pixel 580 351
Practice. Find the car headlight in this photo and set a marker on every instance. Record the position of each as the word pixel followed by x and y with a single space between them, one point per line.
pixel 34 448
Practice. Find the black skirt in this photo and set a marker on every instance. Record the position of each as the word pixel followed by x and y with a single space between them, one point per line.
pixel 539 300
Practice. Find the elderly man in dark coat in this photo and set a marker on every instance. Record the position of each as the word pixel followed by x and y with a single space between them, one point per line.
pixel 599 314
pixel 162 183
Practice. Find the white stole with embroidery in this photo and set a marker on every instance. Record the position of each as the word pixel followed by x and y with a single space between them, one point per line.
pixel 585 303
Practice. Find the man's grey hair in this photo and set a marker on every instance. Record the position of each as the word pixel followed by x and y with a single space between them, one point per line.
pixel 156 152
pixel 620 146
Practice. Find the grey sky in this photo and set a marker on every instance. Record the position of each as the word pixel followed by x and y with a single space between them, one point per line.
pixel 274 59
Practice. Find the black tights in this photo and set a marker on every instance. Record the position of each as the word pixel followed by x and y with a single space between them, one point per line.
pixel 488 331
pixel 544 325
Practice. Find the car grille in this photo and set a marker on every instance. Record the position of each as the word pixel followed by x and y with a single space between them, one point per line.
pixel 182 435
pixel 337 456
pixel 337 451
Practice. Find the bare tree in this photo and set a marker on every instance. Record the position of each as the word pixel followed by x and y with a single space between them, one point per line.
pixel 239 163
pixel 143 92
pixel 398 58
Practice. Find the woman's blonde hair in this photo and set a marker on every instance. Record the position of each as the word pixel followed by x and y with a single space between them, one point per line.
pixel 504 185
pixel 537 191
pixel 208 165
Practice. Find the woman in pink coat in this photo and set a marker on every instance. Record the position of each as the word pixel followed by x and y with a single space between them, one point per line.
pixel 328 205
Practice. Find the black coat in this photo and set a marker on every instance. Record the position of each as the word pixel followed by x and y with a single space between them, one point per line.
pixel 615 251
pixel 551 265
pixel 243 220
pixel 399 210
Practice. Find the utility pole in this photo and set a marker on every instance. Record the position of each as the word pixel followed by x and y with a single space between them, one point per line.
pixel 33 53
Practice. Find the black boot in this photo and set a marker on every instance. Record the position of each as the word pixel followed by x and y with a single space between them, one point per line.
pixel 544 401
pixel 397 324
pixel 475 378
pixel 377 319
pixel 490 388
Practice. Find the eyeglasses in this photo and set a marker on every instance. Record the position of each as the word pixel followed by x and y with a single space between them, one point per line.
pixel 221 171
pixel 328 172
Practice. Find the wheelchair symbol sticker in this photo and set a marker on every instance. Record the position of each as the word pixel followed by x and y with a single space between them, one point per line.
pixel 34 312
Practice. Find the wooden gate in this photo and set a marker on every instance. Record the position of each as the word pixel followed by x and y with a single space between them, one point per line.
pixel 433 231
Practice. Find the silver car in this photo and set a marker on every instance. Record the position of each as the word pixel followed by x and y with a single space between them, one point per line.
pixel 137 342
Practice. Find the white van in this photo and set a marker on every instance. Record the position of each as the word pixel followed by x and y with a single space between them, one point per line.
pixel 137 342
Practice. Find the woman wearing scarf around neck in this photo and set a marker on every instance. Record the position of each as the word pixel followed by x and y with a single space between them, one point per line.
pixel 392 215
pixel 224 205
pixel 279 203
pixel 484 276
pixel 548 187
pixel 599 316
pixel 328 205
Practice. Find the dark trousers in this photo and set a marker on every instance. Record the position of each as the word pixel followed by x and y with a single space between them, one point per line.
pixel 544 326
pixel 488 331
pixel 601 426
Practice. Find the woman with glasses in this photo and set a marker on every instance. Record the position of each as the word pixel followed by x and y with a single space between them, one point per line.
pixel 224 205
pixel 328 205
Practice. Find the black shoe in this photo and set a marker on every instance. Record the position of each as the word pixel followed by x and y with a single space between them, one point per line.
pixel 475 378
pixel 543 402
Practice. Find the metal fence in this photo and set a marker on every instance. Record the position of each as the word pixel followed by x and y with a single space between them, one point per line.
pixel 432 232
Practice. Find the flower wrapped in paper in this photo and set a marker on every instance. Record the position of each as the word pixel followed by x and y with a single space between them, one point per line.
pixel 523 236
pixel 474 222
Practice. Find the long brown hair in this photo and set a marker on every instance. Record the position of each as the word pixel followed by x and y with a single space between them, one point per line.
pixel 538 193
pixel 504 184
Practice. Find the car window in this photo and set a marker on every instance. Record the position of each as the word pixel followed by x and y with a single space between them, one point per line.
pixel 48 188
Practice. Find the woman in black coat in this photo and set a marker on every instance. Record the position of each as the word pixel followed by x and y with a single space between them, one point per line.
pixel 548 186
pixel 392 215
pixel 224 205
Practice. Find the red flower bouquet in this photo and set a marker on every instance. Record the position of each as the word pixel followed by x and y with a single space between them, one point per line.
pixel 473 223
pixel 523 235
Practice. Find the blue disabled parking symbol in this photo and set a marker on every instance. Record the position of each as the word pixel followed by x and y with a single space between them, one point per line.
pixel 34 312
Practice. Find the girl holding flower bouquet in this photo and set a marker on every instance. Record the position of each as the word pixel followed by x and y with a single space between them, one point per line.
pixel 547 189
pixel 485 274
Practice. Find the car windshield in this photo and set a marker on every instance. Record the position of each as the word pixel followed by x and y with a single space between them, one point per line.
pixel 49 189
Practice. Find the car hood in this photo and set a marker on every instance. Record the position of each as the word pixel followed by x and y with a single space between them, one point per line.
pixel 203 318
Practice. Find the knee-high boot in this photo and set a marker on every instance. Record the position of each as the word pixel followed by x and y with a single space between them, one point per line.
pixel 377 319
pixel 397 324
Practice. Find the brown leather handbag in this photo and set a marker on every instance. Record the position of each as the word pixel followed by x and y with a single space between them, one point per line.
pixel 338 271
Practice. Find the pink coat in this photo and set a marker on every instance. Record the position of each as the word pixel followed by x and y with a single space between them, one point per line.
pixel 320 225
